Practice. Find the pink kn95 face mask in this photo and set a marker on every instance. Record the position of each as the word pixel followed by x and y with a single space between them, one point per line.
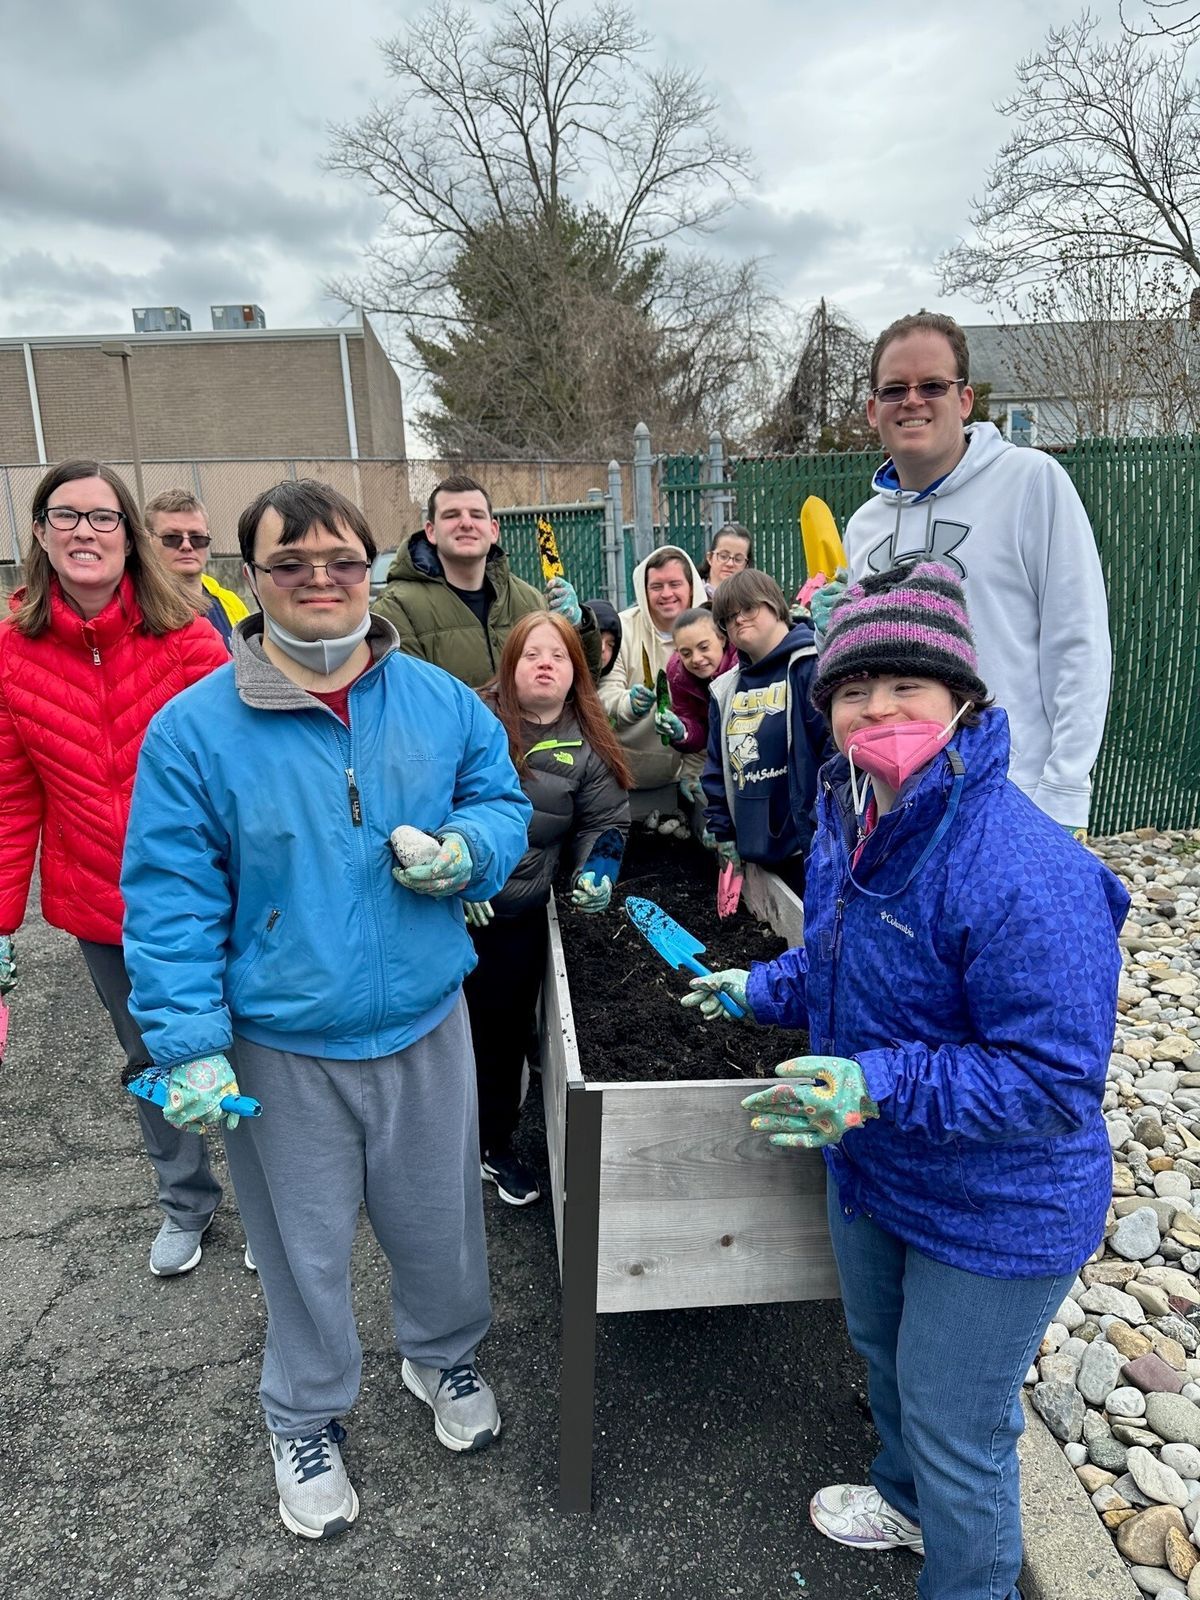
pixel 894 752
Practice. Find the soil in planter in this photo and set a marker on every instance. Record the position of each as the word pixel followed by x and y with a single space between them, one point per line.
pixel 629 1024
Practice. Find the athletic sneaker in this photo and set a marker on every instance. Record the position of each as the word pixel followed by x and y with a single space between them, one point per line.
pixel 857 1514
pixel 175 1249
pixel 464 1408
pixel 513 1179
pixel 316 1498
pixel 248 1260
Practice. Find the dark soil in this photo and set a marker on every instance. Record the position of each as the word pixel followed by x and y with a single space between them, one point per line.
pixel 629 1024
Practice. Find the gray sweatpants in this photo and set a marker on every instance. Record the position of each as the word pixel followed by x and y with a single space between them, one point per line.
pixel 398 1133
pixel 187 1190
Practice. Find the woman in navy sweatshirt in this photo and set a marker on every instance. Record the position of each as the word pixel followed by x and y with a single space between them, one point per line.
pixel 766 742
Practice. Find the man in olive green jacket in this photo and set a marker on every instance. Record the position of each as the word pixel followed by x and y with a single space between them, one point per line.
pixel 452 597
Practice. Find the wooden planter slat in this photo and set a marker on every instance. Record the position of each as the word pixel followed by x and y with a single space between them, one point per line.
pixel 662 1196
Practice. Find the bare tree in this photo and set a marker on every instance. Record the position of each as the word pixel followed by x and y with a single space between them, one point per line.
pixel 543 131
pixel 1176 19
pixel 1104 160
pixel 823 405
pixel 1106 348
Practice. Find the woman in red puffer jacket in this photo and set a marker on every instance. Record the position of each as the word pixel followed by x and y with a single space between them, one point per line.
pixel 98 640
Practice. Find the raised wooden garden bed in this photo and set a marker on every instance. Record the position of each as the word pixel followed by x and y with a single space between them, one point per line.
pixel 662 1196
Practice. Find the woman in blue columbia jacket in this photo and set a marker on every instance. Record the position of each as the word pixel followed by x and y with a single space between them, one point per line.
pixel 958 980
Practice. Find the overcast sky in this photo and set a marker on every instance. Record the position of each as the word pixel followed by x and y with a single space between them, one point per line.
pixel 158 152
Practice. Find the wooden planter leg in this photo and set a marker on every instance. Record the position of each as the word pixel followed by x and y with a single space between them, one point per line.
pixel 580 1250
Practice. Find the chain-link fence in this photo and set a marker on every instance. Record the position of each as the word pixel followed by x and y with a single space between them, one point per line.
pixel 392 494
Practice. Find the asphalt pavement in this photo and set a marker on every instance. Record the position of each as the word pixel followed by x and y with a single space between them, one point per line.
pixel 136 1463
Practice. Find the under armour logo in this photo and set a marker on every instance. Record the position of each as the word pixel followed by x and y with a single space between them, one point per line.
pixel 941 540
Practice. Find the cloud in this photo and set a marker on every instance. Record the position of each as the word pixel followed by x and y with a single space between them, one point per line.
pixel 212 206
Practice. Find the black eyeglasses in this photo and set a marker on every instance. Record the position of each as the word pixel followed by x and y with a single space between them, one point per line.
pixel 64 518
pixel 894 394
pixel 174 541
pixel 295 574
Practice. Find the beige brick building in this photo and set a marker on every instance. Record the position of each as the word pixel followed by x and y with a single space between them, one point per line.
pixel 306 392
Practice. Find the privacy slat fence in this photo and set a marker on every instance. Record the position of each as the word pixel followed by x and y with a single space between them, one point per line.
pixel 1143 498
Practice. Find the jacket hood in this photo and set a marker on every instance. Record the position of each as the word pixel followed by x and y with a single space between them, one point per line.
pixel 608 620
pixel 699 593
pixel 418 559
pixel 984 443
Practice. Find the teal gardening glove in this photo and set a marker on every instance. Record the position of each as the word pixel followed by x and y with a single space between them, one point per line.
pixel 727 854
pixel 561 597
pixel 590 895
pixel 8 963
pixel 195 1090
pixel 641 700
pixel 823 602
pixel 703 992
pixel 823 1097
pixel 668 725
pixel 478 913
pixel 448 873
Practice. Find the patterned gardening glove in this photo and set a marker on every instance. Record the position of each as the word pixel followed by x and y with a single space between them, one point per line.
pixel 669 726
pixel 590 895
pixel 8 963
pixel 690 789
pixel 641 700
pixel 727 854
pixel 1079 834
pixel 708 839
pixel 703 992
pixel 195 1090
pixel 448 873
pixel 478 913
pixel 561 597
pixel 823 1098
pixel 823 602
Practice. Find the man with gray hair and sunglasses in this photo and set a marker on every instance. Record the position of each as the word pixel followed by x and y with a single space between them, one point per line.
pixel 1009 523
pixel 178 523
pixel 277 950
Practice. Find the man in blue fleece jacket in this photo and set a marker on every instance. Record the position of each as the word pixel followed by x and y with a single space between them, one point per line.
pixel 268 930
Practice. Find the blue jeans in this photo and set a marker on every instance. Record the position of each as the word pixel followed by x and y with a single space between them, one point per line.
pixel 946 1352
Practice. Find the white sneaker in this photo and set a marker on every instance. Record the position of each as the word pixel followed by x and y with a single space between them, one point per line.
pixel 316 1498
pixel 857 1514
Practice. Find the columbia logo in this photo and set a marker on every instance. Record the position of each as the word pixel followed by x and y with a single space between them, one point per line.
pixel 900 927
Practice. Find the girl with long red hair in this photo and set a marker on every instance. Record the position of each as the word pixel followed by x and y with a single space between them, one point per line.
pixel 574 775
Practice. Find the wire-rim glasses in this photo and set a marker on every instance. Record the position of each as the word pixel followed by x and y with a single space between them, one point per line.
pixel 895 394
pixel 295 574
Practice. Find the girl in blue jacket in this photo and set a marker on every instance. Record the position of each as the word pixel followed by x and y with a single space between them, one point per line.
pixel 959 982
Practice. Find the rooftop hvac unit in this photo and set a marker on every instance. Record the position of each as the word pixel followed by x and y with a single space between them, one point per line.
pixel 161 319
pixel 234 317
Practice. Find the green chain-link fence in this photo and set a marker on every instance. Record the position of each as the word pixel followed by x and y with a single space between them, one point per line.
pixel 1143 498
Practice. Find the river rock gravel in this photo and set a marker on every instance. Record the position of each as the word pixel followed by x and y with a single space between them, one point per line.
pixel 1118 1373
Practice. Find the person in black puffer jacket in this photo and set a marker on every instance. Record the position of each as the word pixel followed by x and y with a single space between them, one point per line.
pixel 574 775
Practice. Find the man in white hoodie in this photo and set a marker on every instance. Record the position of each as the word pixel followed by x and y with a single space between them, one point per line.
pixel 666 584
pixel 1011 523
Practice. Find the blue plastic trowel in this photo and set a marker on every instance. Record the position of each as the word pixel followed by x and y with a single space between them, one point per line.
pixel 675 945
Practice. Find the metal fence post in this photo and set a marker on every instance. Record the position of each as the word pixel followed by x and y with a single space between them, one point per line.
pixel 643 493
pixel 614 543
pixel 720 503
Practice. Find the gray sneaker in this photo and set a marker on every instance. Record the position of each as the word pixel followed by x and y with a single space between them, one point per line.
pixel 464 1408
pixel 175 1249
pixel 316 1498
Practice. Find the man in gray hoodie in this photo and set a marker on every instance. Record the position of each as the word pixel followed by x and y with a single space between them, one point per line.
pixel 1010 522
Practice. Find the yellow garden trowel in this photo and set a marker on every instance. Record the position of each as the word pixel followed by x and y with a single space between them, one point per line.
pixel 823 550
pixel 547 544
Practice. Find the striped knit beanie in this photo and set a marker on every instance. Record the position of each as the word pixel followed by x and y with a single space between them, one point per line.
pixel 911 619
